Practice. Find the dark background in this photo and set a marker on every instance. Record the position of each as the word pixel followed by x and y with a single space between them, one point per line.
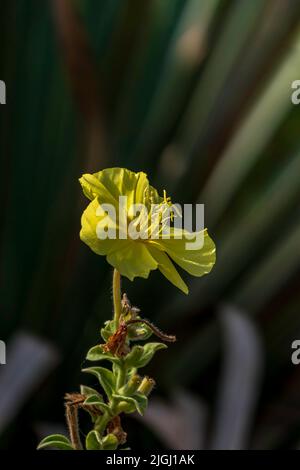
pixel 197 94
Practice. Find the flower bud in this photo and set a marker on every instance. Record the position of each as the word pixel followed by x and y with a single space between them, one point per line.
pixel 132 385
pixel 146 386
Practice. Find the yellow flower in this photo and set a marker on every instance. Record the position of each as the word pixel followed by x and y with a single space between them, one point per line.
pixel 132 255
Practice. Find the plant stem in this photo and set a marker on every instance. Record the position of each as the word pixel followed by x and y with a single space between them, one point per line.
pixel 117 296
pixel 121 376
pixel 101 425
pixel 72 421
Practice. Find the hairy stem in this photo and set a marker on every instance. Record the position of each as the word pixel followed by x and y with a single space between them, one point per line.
pixel 72 421
pixel 117 295
pixel 103 422
pixel 121 377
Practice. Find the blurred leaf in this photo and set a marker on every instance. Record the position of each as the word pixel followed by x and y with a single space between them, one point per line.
pixel 240 381
pixel 277 267
pixel 260 122
pixel 180 424
pixel 29 361
pixel 56 440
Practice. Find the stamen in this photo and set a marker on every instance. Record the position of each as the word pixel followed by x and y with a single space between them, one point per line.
pixel 167 200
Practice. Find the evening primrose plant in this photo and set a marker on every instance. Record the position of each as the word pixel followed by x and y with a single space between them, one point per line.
pixel 138 231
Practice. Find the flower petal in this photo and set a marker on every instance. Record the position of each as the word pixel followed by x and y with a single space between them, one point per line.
pixel 137 256
pixel 196 262
pixel 92 187
pixel 168 269
pixel 111 183
pixel 88 233
pixel 133 260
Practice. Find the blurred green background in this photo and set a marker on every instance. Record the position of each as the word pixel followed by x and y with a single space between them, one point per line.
pixel 197 93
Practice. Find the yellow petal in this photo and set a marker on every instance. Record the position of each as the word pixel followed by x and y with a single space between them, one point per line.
pixel 168 269
pixel 196 262
pixel 111 183
pixel 92 187
pixel 88 233
pixel 133 260
pixel 138 257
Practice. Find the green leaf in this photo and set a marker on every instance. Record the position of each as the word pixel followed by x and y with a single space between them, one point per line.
pixel 116 367
pixel 105 377
pixel 142 401
pixel 140 356
pixel 110 442
pixel 149 351
pixel 138 402
pixel 93 441
pixel 96 354
pixel 108 330
pixel 131 371
pixel 105 334
pixel 93 400
pixel 56 440
pixel 134 357
pixel 88 391
pixel 125 404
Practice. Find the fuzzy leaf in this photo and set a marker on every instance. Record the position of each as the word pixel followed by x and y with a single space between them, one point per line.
pixel 140 356
pixel 116 367
pixel 125 404
pixel 93 441
pixel 88 391
pixel 108 330
pixel 142 401
pixel 105 377
pixel 93 400
pixel 56 440
pixel 110 442
pixel 137 403
pixel 96 354
pixel 133 358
